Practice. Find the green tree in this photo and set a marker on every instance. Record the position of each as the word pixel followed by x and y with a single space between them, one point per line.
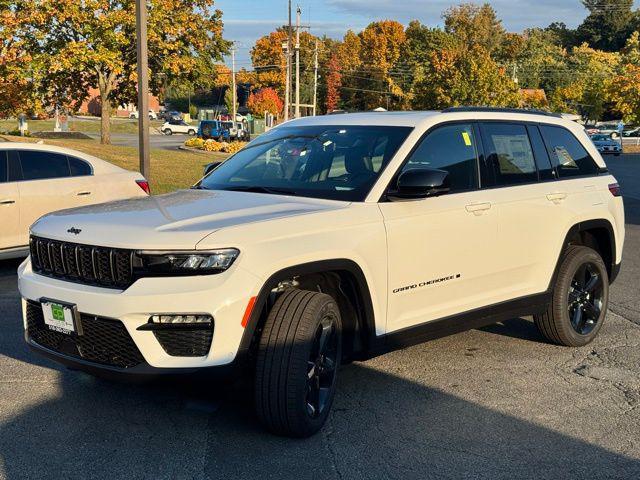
pixel 624 88
pixel 473 24
pixel 93 44
pixel 464 76
pixel 608 24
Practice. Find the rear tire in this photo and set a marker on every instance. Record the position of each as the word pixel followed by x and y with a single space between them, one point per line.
pixel 298 357
pixel 579 300
pixel 168 131
pixel 191 132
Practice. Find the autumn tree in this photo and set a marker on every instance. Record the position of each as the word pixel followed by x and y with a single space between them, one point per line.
pixel 334 82
pixel 16 65
pixel 270 62
pixel 265 100
pixel 92 43
pixel 624 88
pixel 591 74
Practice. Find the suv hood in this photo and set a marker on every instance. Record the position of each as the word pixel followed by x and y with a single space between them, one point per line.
pixel 177 220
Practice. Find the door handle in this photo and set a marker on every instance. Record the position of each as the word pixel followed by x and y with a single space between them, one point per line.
pixel 8 201
pixel 81 194
pixel 556 197
pixel 478 208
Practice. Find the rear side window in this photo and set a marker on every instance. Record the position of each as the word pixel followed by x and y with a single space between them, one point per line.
pixel 567 154
pixel 3 167
pixel 38 165
pixel 509 154
pixel 79 168
pixel 451 148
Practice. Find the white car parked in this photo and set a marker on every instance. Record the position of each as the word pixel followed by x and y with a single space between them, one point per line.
pixel 331 239
pixel 152 115
pixel 38 179
pixel 178 126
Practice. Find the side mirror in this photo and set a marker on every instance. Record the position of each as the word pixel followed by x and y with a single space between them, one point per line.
pixel 418 183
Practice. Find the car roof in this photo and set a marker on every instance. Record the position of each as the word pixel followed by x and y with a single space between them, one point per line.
pixel 99 166
pixel 421 118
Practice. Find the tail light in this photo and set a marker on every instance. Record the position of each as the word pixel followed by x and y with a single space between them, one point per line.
pixel 144 185
pixel 615 189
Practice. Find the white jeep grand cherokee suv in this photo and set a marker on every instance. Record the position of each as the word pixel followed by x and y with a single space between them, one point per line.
pixel 331 239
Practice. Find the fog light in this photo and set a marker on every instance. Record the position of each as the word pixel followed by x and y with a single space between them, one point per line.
pixel 173 319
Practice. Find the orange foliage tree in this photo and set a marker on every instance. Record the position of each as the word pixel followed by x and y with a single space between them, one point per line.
pixel 264 100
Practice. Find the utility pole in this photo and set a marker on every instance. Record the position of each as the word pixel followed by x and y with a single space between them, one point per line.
pixel 298 12
pixel 233 82
pixel 143 88
pixel 285 49
pixel 289 49
pixel 315 79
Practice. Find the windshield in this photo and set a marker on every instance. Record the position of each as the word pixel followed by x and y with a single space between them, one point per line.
pixel 332 162
pixel 601 138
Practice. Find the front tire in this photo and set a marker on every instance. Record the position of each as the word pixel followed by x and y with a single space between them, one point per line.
pixel 168 131
pixel 297 364
pixel 191 132
pixel 580 299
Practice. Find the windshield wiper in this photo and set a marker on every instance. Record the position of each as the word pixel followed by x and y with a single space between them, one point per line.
pixel 260 189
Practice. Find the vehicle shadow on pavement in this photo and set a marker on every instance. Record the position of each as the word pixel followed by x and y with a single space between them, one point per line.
pixel 382 426
pixel 56 423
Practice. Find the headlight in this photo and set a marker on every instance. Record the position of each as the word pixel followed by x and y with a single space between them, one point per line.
pixel 184 263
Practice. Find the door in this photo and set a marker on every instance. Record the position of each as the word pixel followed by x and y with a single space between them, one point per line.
pixel 9 207
pixel 519 173
pixel 46 186
pixel 441 250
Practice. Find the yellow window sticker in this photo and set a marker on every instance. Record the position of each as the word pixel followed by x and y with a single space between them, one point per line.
pixel 467 139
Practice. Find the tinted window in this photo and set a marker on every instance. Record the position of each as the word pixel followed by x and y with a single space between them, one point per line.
pixel 3 167
pixel 451 148
pixel 38 165
pixel 567 153
pixel 509 154
pixel 79 167
pixel 545 170
pixel 14 170
pixel 322 161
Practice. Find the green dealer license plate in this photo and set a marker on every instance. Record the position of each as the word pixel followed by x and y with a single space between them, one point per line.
pixel 59 317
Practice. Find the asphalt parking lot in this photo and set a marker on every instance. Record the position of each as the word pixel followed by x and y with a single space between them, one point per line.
pixel 491 403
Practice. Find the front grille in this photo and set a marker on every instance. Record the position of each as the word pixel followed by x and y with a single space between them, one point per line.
pixel 185 343
pixel 104 267
pixel 104 340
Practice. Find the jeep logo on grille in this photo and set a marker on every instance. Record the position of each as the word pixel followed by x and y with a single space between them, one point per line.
pixel 74 230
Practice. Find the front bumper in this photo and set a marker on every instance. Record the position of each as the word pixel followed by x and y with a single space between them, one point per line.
pixel 224 297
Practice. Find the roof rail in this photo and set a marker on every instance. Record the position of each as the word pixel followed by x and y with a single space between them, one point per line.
pixel 501 110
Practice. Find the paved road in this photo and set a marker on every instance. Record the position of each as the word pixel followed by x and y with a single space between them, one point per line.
pixel 165 142
pixel 492 403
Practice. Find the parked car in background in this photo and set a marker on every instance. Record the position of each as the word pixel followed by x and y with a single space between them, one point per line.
pixel 38 179
pixel 631 132
pixel 152 115
pixel 605 144
pixel 610 129
pixel 167 115
pixel 178 126
pixel 237 131
pixel 214 129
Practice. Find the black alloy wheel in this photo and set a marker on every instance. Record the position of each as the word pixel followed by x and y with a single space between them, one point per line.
pixel 585 298
pixel 321 366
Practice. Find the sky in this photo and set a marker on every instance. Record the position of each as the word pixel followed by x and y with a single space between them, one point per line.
pixel 247 20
